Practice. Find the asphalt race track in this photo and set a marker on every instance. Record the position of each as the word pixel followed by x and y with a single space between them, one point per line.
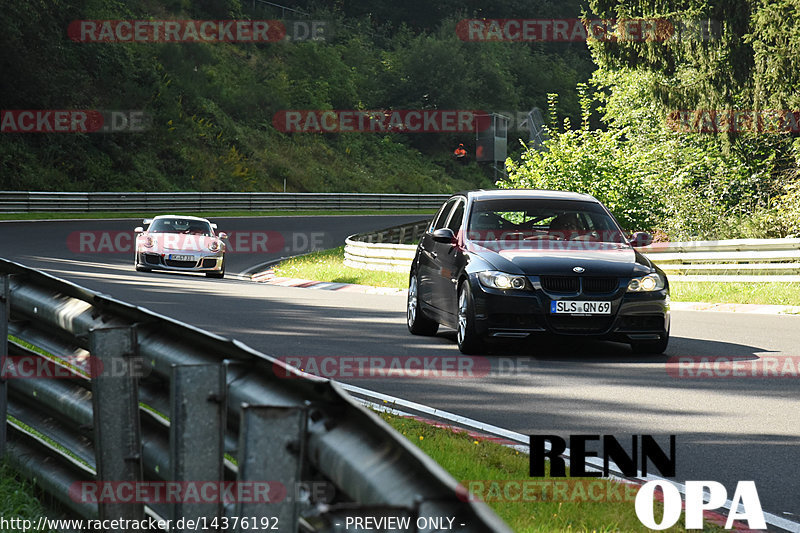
pixel 728 429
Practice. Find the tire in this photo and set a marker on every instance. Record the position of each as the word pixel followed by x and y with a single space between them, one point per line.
pixel 469 342
pixel 418 323
pixel 651 347
pixel 217 275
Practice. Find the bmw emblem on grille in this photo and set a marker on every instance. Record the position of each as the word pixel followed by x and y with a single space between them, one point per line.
pixel 579 270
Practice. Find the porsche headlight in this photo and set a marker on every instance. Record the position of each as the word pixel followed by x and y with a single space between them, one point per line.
pixel 650 282
pixel 501 280
pixel 149 242
pixel 214 246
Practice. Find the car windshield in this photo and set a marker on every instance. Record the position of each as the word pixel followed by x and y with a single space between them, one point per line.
pixel 541 219
pixel 180 225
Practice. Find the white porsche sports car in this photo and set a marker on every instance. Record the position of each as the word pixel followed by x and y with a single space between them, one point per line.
pixel 180 243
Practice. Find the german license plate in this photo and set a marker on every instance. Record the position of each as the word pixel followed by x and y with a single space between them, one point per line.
pixel 573 307
pixel 176 257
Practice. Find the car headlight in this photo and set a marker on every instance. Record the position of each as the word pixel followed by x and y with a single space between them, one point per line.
pixel 214 246
pixel 149 242
pixel 650 282
pixel 500 280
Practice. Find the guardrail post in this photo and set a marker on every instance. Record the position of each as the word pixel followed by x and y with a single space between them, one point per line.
pixel 5 316
pixel 115 405
pixel 284 428
pixel 197 436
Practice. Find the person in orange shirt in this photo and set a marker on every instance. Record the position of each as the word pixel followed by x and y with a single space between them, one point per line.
pixel 460 153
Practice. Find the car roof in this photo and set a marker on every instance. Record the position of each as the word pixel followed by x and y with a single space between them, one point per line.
pixel 539 194
pixel 187 217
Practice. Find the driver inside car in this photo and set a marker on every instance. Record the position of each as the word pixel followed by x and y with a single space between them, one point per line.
pixel 567 226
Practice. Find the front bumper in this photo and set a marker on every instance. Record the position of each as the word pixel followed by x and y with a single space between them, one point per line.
pixel 203 261
pixel 639 316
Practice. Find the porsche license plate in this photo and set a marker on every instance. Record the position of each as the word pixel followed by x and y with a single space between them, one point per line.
pixel 572 307
pixel 176 257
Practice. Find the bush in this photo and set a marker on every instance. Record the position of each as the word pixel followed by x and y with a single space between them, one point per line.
pixel 596 162
pixel 682 186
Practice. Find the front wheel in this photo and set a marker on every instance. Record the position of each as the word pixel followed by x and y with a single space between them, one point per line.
pixel 418 323
pixel 469 342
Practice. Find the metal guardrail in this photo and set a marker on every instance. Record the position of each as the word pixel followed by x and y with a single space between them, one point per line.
pixel 728 260
pixel 173 403
pixel 374 256
pixel 391 249
pixel 75 202
pixel 283 8
pixel 744 260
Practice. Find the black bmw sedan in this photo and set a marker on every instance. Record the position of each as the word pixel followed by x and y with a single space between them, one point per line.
pixel 515 263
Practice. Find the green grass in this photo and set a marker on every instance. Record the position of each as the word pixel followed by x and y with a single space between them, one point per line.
pixel 18 496
pixel 469 460
pixel 776 293
pixel 328 265
pixel 215 214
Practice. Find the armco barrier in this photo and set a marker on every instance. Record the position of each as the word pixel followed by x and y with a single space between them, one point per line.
pixel 746 260
pixel 76 202
pixel 390 249
pixel 174 403
pixel 728 260
pixel 378 256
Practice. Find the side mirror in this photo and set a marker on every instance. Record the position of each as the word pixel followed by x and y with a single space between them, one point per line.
pixel 138 229
pixel 222 235
pixel 444 235
pixel 213 226
pixel 641 238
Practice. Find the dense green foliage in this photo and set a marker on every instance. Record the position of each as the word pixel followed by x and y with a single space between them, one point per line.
pixel 678 185
pixel 747 60
pixel 654 175
pixel 213 104
pixel 18 498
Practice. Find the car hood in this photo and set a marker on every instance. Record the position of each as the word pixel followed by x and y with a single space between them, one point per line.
pixel 597 259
